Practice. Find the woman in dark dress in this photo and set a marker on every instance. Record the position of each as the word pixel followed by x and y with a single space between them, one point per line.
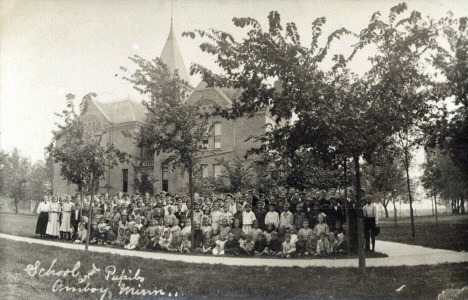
pixel 43 219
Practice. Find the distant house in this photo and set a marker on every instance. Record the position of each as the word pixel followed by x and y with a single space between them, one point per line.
pixel 228 137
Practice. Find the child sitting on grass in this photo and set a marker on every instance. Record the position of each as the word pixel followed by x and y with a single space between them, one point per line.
pixel 143 241
pixel 208 244
pixel 232 246
pixel 275 246
pixel 311 246
pixel 185 245
pixel 121 237
pixel 80 236
pixel 342 244
pixel 289 248
pixel 255 231
pixel 301 245
pixel 133 239
pixel 152 228
pixel 323 245
pixel 247 247
pixel 164 241
pixel 111 238
pixel 333 243
pixel 269 231
pixel 219 249
pixel 175 242
pixel 175 227
pixel 261 245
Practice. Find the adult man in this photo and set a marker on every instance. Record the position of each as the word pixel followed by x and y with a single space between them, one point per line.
pixel 371 221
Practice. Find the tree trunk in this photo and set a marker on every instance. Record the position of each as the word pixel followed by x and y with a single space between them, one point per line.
pixel 345 185
pixel 90 213
pixel 432 207
pixel 192 228
pixel 435 205
pixel 413 231
pixel 81 202
pixel 385 203
pixel 395 212
pixel 16 205
pixel 361 254
pixel 462 206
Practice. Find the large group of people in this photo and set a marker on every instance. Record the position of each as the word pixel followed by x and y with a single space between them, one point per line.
pixel 284 223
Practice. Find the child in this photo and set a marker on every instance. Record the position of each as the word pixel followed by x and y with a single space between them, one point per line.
pixel 133 239
pixel 152 228
pixel 121 237
pixel 80 236
pixel 131 222
pixel 206 225
pixel 215 216
pixel 176 228
pixel 289 248
pixel 208 244
pixel 247 219
pixel 255 230
pixel 165 241
pixel 269 231
pixel 321 227
pixel 111 238
pixel 225 226
pixel 103 229
pixel 248 246
pixel 305 230
pixel 185 245
pixel 301 245
pixel 274 246
pixel 175 242
pixel 128 234
pixel 236 231
pixel 197 237
pixel 291 231
pixel 342 245
pixel 323 245
pixel 232 245
pixel 219 250
pixel 143 241
pixel 160 229
pixel 187 230
pixel 261 245
pixel 272 217
pixel 311 245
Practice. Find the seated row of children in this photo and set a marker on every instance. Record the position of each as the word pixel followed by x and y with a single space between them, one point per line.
pixel 224 240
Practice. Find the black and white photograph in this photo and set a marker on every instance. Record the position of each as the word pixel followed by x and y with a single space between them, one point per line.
pixel 248 149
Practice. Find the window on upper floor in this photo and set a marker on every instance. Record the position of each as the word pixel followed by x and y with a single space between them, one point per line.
pixel 204 171
pixel 217 135
pixel 216 171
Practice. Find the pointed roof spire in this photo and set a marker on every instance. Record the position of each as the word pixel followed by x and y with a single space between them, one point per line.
pixel 172 57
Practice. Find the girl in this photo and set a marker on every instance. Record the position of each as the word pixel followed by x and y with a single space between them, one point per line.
pixel 247 219
pixel 121 237
pixel 255 231
pixel 206 226
pixel 261 245
pixel 236 231
pixel 131 222
pixel 185 245
pixel 225 226
pixel 269 231
pixel 247 247
pixel 208 244
pixel 175 242
pixel 53 226
pixel 187 230
pixel 321 227
pixel 80 236
pixel 143 241
pixel 219 250
pixel 133 239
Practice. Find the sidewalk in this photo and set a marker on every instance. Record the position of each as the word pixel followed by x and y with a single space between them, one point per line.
pixel 398 255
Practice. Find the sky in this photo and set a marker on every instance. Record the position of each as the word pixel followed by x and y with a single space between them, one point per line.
pixel 49 48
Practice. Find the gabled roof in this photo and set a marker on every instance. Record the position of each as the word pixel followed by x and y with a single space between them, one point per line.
pixel 229 94
pixel 172 58
pixel 121 111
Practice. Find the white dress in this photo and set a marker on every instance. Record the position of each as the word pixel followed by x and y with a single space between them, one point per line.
pixel 66 216
pixel 53 226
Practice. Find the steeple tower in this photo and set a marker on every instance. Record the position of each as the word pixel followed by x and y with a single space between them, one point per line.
pixel 171 56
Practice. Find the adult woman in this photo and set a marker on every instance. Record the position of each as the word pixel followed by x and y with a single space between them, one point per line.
pixel 53 226
pixel 42 220
pixel 65 229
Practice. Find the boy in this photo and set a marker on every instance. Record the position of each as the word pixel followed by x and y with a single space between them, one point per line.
pixel 323 245
pixel 274 246
pixel 288 247
pixel 248 217
pixel 232 246
pixel 311 246
pixel 272 217
pixel 305 230
pixel 286 217
pixel 301 246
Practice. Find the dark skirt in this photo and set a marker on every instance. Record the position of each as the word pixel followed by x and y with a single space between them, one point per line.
pixel 42 221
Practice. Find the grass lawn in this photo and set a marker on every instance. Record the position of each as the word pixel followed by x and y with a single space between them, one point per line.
pixel 450 234
pixel 214 281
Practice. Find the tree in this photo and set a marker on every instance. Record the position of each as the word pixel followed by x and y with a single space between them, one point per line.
pixel 338 112
pixel 432 178
pixel 177 129
pixel 239 173
pixel 144 182
pixel 14 173
pixel 83 160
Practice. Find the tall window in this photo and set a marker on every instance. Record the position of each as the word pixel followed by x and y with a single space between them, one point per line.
pixel 165 178
pixel 217 135
pixel 125 180
pixel 204 171
pixel 216 171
